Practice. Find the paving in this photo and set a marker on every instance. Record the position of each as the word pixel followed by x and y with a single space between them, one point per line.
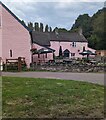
pixel 97 78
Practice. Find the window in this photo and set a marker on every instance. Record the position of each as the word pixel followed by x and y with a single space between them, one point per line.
pixel 11 53
pixel 46 55
pixel 38 55
pixel 73 44
pixel 72 54
pixel 83 48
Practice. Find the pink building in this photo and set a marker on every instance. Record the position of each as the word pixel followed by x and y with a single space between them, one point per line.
pixel 71 45
pixel 15 40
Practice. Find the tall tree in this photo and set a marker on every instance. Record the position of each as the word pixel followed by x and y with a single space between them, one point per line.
pixel 83 21
pixel 93 28
pixel 41 27
pixel 60 51
pixel 50 29
pixel 55 29
pixel 62 30
pixel 30 25
pixel 23 22
pixel 36 26
pixel 46 28
pixel 97 37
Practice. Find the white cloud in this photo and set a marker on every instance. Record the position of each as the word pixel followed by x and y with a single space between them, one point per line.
pixel 62 13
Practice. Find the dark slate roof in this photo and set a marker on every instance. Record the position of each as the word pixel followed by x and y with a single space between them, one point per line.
pixel 67 37
pixel 41 38
pixel 44 38
pixel 66 51
pixel 15 17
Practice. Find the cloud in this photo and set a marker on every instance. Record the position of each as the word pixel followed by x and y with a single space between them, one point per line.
pixel 61 14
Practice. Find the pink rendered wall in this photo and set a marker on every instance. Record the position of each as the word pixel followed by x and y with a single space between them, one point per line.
pixel 68 45
pixel 0 31
pixel 14 37
pixel 65 45
pixel 42 57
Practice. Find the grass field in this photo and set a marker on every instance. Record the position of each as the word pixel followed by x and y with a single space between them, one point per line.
pixel 48 98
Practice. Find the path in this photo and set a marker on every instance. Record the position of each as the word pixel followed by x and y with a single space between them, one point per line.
pixel 97 78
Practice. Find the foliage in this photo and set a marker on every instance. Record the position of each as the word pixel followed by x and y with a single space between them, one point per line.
pixel 30 25
pixel 23 22
pixel 93 28
pixel 60 29
pixel 60 51
pixel 36 26
pixel 50 29
pixel 41 27
pixel 46 28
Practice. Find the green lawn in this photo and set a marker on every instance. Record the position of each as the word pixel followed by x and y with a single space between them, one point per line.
pixel 29 97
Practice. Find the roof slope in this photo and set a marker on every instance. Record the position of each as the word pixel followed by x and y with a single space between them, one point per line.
pixel 15 17
pixel 44 38
pixel 68 37
pixel 41 38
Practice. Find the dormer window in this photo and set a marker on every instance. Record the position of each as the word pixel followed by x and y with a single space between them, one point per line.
pixel 73 44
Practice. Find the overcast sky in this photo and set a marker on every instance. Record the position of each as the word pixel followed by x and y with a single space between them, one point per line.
pixel 61 14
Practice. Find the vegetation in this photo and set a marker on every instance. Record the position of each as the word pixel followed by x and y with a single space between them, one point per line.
pixel 36 27
pixel 48 98
pixel 46 28
pixel 41 27
pixel 93 28
pixel 60 51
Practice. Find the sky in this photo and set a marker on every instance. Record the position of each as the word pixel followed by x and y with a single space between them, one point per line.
pixel 55 13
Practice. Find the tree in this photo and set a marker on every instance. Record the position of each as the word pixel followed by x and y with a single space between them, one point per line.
pixel 23 22
pixel 50 29
pixel 55 29
pixel 83 21
pixel 98 31
pixel 93 28
pixel 36 26
pixel 60 51
pixel 41 27
pixel 30 25
pixel 46 28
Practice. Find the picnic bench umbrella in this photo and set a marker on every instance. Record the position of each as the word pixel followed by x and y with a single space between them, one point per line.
pixel 45 50
pixel 87 52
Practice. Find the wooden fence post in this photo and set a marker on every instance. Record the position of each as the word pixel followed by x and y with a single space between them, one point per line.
pixel 19 64
pixel 6 65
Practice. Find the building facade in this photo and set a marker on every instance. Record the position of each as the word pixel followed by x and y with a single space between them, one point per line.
pixel 71 45
pixel 15 40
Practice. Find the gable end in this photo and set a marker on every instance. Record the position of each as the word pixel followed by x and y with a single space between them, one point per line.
pixel 15 16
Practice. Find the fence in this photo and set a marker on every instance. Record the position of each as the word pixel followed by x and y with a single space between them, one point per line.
pixel 15 63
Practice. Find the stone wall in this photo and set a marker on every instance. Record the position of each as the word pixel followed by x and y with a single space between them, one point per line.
pixel 70 68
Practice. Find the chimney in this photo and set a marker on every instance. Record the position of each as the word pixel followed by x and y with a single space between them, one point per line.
pixel 80 31
pixel 56 32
